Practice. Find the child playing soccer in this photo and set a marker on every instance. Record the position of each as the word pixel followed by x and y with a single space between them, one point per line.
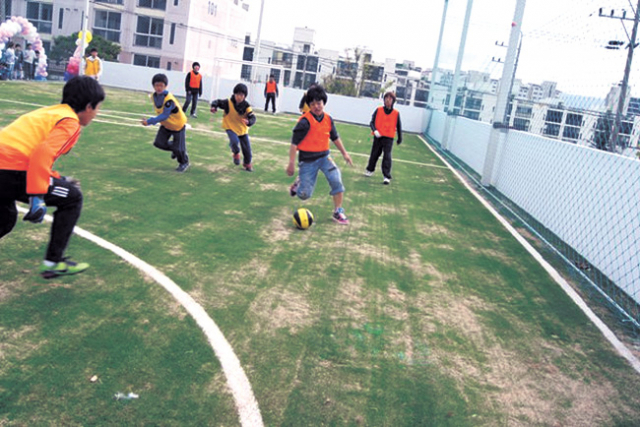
pixel 28 149
pixel 238 117
pixel 172 120
pixel 385 122
pixel 310 140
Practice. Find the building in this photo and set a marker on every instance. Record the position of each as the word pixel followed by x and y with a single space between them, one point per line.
pixel 165 34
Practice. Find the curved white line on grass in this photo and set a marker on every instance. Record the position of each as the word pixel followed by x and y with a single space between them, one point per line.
pixel 237 380
pixel 604 329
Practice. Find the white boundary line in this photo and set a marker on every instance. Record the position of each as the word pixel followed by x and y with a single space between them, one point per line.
pixel 604 329
pixel 246 403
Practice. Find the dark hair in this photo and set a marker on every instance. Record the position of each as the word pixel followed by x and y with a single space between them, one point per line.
pixel 241 88
pixel 93 49
pixel 392 94
pixel 272 76
pixel 160 78
pixel 81 91
pixel 28 44
pixel 316 93
pixel 37 52
pixel 194 64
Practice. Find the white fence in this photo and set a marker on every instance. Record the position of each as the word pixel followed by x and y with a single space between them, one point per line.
pixel 342 108
pixel 589 198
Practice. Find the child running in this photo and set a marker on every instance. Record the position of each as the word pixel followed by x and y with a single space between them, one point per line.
pixel 310 140
pixel 238 118
pixel 29 147
pixel 172 120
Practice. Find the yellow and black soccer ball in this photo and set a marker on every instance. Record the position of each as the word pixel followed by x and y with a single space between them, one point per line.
pixel 302 218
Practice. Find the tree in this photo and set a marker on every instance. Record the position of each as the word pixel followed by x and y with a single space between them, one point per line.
pixel 65 46
pixel 345 81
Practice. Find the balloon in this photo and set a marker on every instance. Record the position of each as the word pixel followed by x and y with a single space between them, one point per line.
pixel 18 25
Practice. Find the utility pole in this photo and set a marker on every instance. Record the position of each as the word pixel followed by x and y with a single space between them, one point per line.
pixel 617 125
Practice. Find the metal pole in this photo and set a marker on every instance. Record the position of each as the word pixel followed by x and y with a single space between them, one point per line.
pixel 625 83
pixel 456 77
pixel 256 51
pixel 83 41
pixel 434 72
pixel 503 94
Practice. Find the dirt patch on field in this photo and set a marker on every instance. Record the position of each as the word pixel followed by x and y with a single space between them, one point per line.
pixel 351 296
pixel 280 228
pixel 433 229
pixel 279 308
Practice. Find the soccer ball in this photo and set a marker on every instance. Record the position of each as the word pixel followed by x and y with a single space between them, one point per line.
pixel 302 218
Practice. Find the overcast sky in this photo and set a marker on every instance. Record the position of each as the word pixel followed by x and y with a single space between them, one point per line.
pixel 563 40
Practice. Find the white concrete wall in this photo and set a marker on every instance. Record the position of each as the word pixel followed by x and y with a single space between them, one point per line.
pixel 342 108
pixel 589 198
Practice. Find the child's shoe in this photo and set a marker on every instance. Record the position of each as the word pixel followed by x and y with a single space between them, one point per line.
pixel 63 268
pixel 368 173
pixel 236 159
pixel 386 181
pixel 293 190
pixel 248 167
pixel 340 217
pixel 182 167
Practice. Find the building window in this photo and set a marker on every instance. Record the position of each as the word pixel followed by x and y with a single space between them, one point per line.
pixel 60 18
pixel 306 48
pixel 153 4
pixel 175 2
pixel 110 1
pixel 107 24
pixel 146 61
pixel 41 16
pixel 247 54
pixel 169 66
pixel 571 132
pixel 172 35
pixel 521 124
pixel 245 73
pixel 149 32
pixel 554 116
pixel 551 129
pixel 574 119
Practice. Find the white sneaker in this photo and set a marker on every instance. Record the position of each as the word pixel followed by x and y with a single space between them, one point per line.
pixel 386 181
pixel 368 173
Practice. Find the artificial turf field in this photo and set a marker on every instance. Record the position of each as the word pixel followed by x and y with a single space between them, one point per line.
pixel 423 311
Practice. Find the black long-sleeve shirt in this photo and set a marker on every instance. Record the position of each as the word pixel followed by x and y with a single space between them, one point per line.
pixel 240 108
pixel 372 125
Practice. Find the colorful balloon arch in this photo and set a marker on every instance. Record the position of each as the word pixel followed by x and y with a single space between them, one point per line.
pixel 73 67
pixel 19 26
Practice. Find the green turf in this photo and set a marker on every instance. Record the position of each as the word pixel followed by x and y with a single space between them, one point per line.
pixel 423 312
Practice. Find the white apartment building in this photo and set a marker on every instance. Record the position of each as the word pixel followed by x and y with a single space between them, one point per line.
pixel 165 34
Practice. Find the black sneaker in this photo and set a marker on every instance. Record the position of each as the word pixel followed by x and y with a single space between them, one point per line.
pixel 183 167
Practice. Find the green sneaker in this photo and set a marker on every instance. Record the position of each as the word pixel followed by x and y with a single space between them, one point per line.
pixel 63 268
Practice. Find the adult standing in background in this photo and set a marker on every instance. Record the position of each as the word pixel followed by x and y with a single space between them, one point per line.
pixel 193 89
pixel 29 57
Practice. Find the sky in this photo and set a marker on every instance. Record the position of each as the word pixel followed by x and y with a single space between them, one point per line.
pixel 562 40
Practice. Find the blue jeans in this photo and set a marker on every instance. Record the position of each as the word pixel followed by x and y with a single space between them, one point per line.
pixel 240 142
pixel 308 173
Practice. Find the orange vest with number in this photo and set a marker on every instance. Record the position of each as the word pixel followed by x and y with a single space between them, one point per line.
pixel 194 80
pixel 317 139
pixel 386 123
pixel 271 86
